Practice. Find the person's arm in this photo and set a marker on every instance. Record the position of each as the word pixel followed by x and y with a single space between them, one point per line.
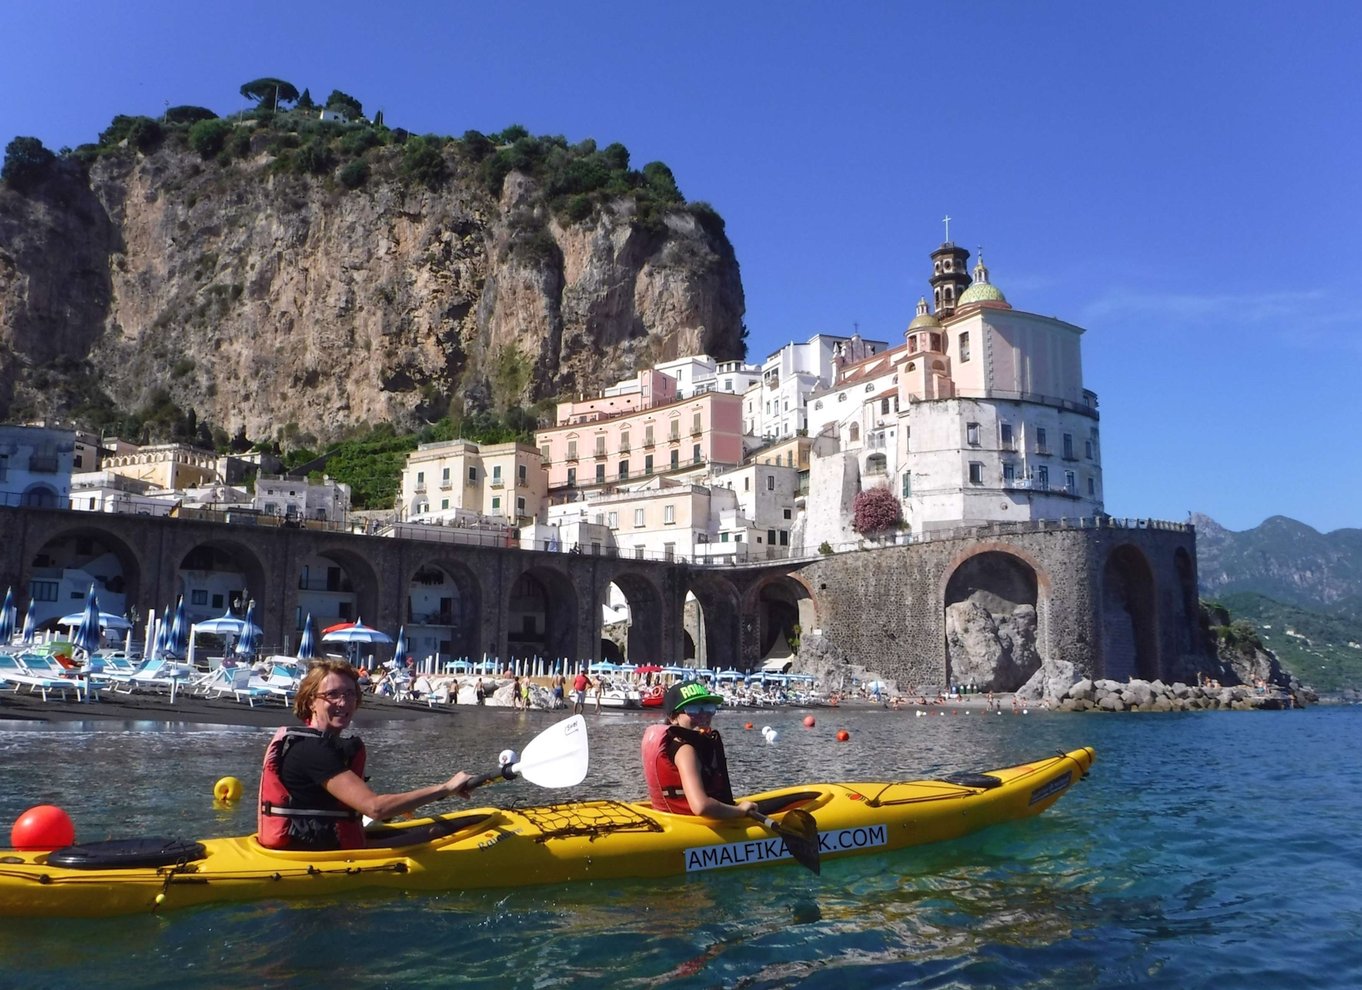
pixel 701 803
pixel 349 788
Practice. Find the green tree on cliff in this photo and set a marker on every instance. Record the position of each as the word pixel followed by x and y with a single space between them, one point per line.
pixel 26 161
pixel 268 92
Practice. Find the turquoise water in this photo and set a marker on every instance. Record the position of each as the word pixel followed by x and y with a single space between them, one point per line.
pixel 1205 850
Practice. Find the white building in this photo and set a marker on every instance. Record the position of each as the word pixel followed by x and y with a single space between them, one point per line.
pixel 297 499
pixel 104 491
pixel 980 416
pixel 35 466
pixel 777 408
pixel 457 481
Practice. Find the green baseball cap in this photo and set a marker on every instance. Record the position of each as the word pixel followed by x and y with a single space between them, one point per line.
pixel 684 693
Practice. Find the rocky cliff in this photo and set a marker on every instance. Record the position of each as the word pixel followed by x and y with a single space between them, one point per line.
pixel 265 299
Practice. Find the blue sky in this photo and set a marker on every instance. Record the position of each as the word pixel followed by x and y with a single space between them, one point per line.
pixel 1179 179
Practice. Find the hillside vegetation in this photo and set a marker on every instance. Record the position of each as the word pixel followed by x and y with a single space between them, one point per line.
pixel 1324 651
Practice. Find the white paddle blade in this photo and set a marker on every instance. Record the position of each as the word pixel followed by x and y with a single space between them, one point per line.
pixel 558 756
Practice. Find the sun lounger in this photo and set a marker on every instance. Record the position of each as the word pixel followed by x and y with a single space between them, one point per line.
pixel 14 670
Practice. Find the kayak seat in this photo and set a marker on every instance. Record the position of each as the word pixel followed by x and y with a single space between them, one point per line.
pixel 388 836
pixel 981 781
pixel 127 854
pixel 784 802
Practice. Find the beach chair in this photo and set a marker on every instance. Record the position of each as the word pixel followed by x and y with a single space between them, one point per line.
pixel 282 682
pixel 245 686
pixel 14 670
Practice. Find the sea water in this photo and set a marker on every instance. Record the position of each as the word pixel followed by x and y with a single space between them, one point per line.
pixel 1204 850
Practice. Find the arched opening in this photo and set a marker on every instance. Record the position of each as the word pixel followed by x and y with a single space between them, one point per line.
pixel 626 630
pixel 785 611
pixel 712 622
pixel 65 567
pixel 441 614
pixel 219 576
pixel 41 497
pixel 1129 637
pixel 992 622
pixel 541 618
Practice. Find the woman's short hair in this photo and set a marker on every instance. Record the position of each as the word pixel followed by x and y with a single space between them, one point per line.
pixel 312 683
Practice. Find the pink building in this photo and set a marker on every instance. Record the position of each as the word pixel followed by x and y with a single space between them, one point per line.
pixel 590 448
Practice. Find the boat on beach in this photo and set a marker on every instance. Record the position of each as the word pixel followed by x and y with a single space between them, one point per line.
pixel 574 842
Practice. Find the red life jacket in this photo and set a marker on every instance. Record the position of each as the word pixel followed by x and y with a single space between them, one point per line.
pixel 276 804
pixel 665 792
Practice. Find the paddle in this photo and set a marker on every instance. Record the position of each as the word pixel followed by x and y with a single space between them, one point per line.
pixel 557 757
pixel 800 833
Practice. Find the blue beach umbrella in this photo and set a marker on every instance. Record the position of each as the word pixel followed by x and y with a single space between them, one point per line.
pixel 355 636
pixel 30 624
pixel 177 638
pixel 307 646
pixel 87 634
pixel 162 645
pixel 401 649
pixel 246 643
pixel 7 617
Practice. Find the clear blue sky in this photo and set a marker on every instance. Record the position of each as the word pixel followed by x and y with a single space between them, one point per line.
pixel 1180 179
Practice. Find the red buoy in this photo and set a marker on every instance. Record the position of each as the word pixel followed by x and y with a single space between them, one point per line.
pixel 748 725
pixel 809 722
pixel 42 828
pixel 843 735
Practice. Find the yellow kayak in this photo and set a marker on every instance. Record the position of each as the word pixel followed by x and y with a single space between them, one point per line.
pixel 494 847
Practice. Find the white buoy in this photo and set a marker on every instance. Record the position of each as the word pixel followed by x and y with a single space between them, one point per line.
pixel 507 757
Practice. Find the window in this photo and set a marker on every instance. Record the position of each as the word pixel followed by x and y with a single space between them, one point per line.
pixel 676 429
pixel 669 551
pixel 964 347
pixel 1043 478
pixel 1005 436
pixel 496 474
pixel 695 457
pixel 624 442
pixel 198 597
pixel 784 537
pixel 1068 446
pixel 884 406
pixel 669 515
pixel 546 453
pixel 1009 472
pixel 907 489
pixel 854 433
pixel 572 450
pixel 444 503
pixel 638 517
pixel 976 473
pixel 648 464
pixel 612 519
pixel 600 474
pixel 520 506
pixel 695 424
pixel 473 474
pixel 624 470
pixel 572 477
pixel 972 434
pixel 1040 439
pixel 787 513
pixel 842 397
pixel 1087 449
pixel 747 484
pixel 420 478
pixel 676 459
pixel 638 553
pixel 647 436
pixel 46 591
pixel 521 475
pixel 1070 483
pixel 1092 487
pixel 496 503
pixel 600 445
pixel 770 482
pixel 444 476
pixel 818 404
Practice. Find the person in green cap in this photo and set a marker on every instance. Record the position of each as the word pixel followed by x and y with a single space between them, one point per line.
pixel 683 758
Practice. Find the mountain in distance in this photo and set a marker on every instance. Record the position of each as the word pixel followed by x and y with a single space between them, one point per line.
pixel 1301 589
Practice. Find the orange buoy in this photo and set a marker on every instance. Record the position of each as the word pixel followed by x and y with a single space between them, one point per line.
pixel 42 828
pixel 843 735
pixel 809 722
pixel 748 725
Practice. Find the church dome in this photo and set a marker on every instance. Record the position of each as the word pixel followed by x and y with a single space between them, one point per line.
pixel 981 290
pixel 924 320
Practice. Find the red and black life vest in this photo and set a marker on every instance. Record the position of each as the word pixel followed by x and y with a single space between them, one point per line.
pixel 279 820
pixel 660 742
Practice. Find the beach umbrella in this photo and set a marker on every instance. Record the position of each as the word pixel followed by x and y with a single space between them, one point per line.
pixel 355 635
pixel 162 644
pixel 250 632
pixel 177 635
pixel 401 649
pixel 339 625
pixel 87 635
pixel 307 646
pixel 30 624
pixel 7 616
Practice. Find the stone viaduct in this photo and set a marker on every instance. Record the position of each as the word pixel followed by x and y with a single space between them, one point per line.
pixel 1114 598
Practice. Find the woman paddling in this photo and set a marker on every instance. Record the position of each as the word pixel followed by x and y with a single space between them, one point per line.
pixel 683 758
pixel 312 787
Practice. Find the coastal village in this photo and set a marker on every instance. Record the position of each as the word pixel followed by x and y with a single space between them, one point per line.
pixel 977 414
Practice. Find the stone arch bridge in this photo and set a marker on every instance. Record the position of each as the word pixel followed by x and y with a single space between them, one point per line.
pixel 1114 598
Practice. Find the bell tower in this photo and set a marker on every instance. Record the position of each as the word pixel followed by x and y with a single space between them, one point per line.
pixel 950 275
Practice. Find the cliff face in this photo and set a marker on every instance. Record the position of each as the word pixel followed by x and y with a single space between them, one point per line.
pixel 260 298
